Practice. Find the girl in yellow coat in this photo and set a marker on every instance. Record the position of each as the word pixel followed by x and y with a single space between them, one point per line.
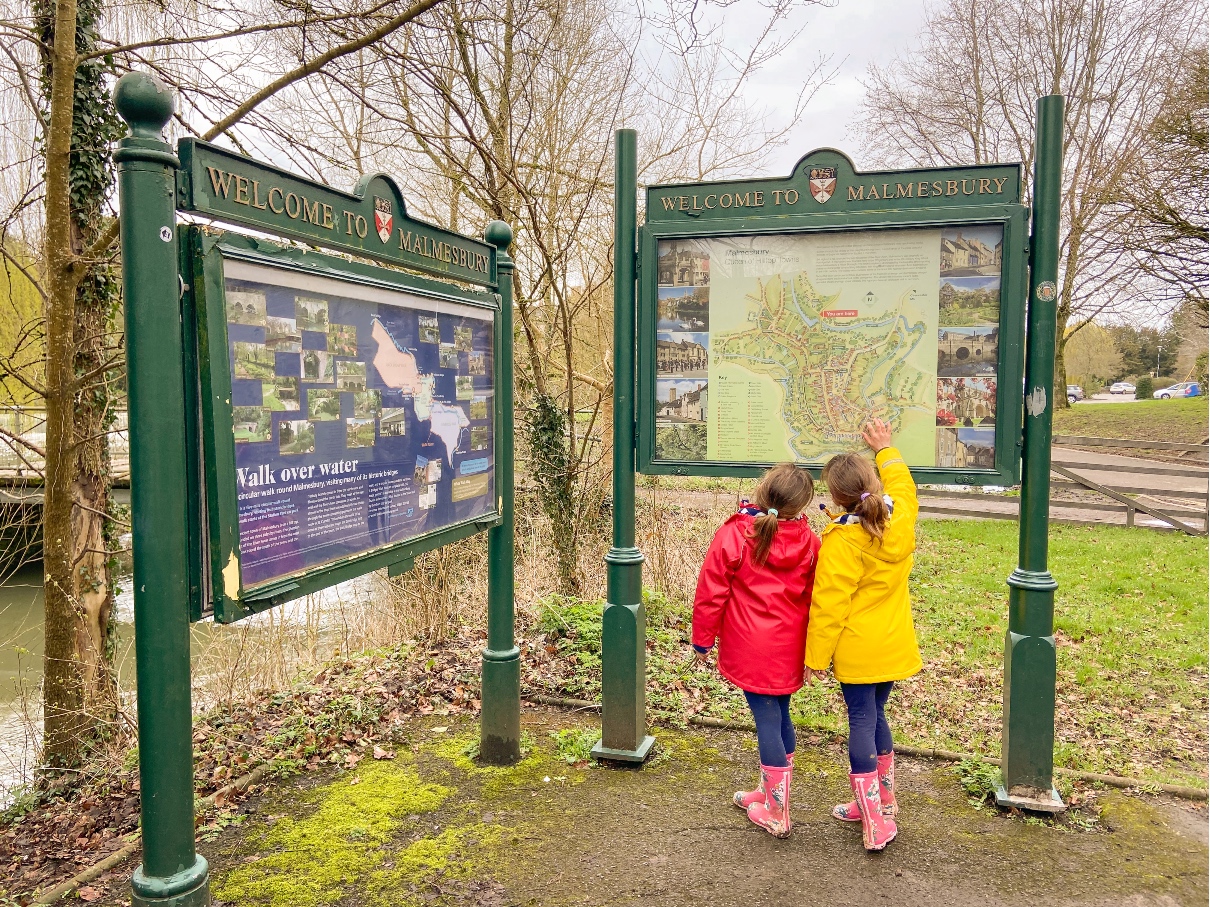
pixel 861 617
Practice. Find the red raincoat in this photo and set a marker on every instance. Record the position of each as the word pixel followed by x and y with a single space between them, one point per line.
pixel 759 614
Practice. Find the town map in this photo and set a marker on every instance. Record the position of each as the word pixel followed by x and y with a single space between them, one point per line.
pixel 780 347
pixel 836 368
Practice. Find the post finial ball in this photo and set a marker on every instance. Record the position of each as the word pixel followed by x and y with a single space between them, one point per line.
pixel 499 234
pixel 144 102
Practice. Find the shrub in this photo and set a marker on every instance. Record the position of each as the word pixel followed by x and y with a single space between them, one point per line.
pixel 574 745
pixel 1143 388
pixel 979 779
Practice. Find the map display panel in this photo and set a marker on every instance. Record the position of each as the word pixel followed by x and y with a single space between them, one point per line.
pixel 780 346
pixel 362 416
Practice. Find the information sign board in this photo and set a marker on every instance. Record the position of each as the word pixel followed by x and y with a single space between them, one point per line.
pixel 778 316
pixel 347 418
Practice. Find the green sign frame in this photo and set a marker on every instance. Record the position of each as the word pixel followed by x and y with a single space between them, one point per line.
pixel 859 202
pixel 184 507
pixel 224 592
pixel 216 183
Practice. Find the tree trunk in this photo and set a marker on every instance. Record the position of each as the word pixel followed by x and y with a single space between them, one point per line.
pixel 1061 401
pixel 79 694
pixel 63 694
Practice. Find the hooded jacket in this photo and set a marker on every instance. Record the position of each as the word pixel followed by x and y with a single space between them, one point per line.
pixel 861 617
pixel 758 613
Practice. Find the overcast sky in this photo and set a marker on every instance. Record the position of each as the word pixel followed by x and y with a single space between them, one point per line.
pixel 856 33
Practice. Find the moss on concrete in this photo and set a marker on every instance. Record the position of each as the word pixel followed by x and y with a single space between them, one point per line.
pixel 313 860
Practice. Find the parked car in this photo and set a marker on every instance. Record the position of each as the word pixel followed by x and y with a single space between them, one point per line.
pixel 1122 387
pixel 1183 389
pixel 1074 393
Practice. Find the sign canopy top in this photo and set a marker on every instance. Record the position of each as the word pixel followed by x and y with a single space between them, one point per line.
pixel 371 221
pixel 826 182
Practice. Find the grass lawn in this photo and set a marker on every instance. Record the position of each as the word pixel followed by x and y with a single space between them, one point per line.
pixel 1185 421
pixel 1131 629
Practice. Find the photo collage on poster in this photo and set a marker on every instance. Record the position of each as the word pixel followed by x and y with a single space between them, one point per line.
pixel 968 328
pixel 682 349
pixel 357 421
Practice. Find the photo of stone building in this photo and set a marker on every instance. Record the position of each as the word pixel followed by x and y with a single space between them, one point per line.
pixel 681 354
pixel 682 264
pixel 972 251
pixel 687 407
pixel 966 402
pixel 966 448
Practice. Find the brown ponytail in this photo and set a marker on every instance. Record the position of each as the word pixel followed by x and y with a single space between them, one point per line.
pixel 786 488
pixel 854 485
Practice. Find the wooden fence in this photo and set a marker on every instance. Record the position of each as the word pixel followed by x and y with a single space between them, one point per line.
pixel 1130 495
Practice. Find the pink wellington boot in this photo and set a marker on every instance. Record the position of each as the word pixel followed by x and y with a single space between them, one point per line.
pixel 848 812
pixel 745 798
pixel 773 813
pixel 877 830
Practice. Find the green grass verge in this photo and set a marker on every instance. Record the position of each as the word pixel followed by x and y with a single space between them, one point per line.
pixel 1184 421
pixel 1131 630
pixel 1131 627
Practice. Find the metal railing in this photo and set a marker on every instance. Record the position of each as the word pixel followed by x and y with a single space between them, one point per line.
pixel 29 424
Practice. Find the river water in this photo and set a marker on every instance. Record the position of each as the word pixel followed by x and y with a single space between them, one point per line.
pixel 20 674
pixel 21 648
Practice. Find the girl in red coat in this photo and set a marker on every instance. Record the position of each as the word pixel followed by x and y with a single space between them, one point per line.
pixel 753 596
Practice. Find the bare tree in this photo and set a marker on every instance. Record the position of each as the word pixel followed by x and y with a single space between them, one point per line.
pixel 1162 204
pixel 60 62
pixel 508 111
pixel 966 94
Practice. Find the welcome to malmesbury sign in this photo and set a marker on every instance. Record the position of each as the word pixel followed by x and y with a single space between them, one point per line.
pixel 371 221
pixel 776 316
pixel 826 182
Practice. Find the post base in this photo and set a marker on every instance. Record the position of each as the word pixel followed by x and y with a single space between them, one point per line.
pixel 1032 799
pixel 500 718
pixel 159 892
pixel 636 756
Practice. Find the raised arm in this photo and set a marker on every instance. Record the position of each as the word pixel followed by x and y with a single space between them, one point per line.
pixel 896 478
pixel 898 483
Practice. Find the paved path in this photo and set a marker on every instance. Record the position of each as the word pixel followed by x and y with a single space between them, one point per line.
pixel 430 827
pixel 1119 470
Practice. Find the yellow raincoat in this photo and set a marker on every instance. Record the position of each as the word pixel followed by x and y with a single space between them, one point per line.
pixel 861 617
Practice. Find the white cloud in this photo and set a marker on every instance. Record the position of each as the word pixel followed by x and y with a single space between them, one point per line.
pixel 855 33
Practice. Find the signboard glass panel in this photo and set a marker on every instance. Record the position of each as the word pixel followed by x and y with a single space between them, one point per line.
pixel 781 346
pixel 361 416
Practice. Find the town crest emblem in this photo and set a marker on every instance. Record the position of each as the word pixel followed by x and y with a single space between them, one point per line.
pixel 383 218
pixel 823 183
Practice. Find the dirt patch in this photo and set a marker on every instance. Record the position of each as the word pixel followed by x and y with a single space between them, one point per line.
pixel 432 827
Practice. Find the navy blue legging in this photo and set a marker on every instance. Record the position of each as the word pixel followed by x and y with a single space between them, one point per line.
pixel 774 729
pixel 869 733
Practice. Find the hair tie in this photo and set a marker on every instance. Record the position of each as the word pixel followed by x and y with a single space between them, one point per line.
pixel 864 495
pixel 772 511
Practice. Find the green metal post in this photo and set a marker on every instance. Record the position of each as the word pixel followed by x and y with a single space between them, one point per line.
pixel 1027 752
pixel 500 724
pixel 624 632
pixel 172 872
